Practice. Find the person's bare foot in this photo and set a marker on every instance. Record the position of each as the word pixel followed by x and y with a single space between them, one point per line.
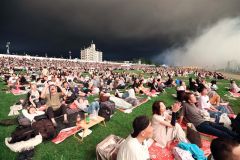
pixel 65 121
pixel 54 124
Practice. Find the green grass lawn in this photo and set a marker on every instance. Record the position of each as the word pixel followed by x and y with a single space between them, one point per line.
pixel 71 149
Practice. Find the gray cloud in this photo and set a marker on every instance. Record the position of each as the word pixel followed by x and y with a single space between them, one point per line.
pixel 214 47
pixel 128 24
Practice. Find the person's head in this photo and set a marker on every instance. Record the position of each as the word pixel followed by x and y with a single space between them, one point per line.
pixel 203 90
pixel 225 149
pixel 190 98
pixel 158 107
pixel 52 88
pixel 213 82
pixel 231 81
pixel 142 127
pixel 32 110
pixel 136 80
pixel 65 84
pixel 45 78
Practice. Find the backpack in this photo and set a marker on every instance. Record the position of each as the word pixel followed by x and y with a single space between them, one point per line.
pixel 108 104
pixel 106 110
pixel 45 128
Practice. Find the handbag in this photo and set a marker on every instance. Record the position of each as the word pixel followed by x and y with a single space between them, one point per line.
pixel 193 135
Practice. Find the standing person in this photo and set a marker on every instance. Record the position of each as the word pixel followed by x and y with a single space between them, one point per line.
pixel 134 147
pixel 53 102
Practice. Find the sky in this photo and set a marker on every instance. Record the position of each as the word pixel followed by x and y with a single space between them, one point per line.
pixel 121 29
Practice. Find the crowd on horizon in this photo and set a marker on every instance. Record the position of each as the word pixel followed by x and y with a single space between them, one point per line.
pixel 54 86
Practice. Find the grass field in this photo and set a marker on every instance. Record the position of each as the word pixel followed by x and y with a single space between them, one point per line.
pixel 71 149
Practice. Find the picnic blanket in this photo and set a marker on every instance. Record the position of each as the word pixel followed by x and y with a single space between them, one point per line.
pixel 14 110
pixel 158 153
pixel 235 95
pixel 18 92
pixel 129 110
pixel 65 133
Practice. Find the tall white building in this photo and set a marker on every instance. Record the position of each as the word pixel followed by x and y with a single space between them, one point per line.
pixel 90 54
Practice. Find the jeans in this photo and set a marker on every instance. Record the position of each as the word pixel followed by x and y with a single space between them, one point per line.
pixel 93 106
pixel 216 130
pixel 217 115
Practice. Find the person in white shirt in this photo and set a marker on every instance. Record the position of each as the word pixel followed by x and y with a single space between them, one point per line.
pixel 204 103
pixel 134 147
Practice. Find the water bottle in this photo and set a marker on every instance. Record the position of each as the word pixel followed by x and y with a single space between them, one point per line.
pixel 87 118
pixel 76 89
pixel 94 114
pixel 78 119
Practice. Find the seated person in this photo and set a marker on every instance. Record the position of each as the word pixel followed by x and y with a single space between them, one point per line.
pixel 135 85
pixel 170 81
pixel 12 79
pixel 23 80
pixel 53 102
pixel 70 94
pixel 214 86
pixel 225 149
pixel 135 147
pixel 192 85
pixel 104 96
pixel 83 104
pixel 181 90
pixel 233 87
pixel 120 83
pixel 193 115
pixel 165 128
pixel 156 85
pixel 33 96
pixel 204 103
pixel 143 90
pixel 214 98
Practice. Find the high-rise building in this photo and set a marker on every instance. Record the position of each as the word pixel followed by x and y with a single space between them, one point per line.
pixel 90 54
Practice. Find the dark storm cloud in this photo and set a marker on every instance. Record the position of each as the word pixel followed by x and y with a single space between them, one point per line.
pixel 121 29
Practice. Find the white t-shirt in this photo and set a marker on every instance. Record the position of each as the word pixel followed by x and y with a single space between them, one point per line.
pixel 131 149
pixel 12 79
pixel 203 102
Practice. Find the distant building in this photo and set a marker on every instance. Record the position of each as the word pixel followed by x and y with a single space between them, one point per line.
pixel 90 54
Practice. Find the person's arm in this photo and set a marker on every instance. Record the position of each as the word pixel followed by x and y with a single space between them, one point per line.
pixel 174 117
pixel 165 123
pixel 175 108
pixel 43 94
pixel 213 109
pixel 62 90
pixel 182 114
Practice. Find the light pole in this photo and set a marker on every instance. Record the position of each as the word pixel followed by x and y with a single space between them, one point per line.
pixel 8 47
pixel 70 55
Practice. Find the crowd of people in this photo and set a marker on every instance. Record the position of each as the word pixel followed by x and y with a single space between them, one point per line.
pixel 53 87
